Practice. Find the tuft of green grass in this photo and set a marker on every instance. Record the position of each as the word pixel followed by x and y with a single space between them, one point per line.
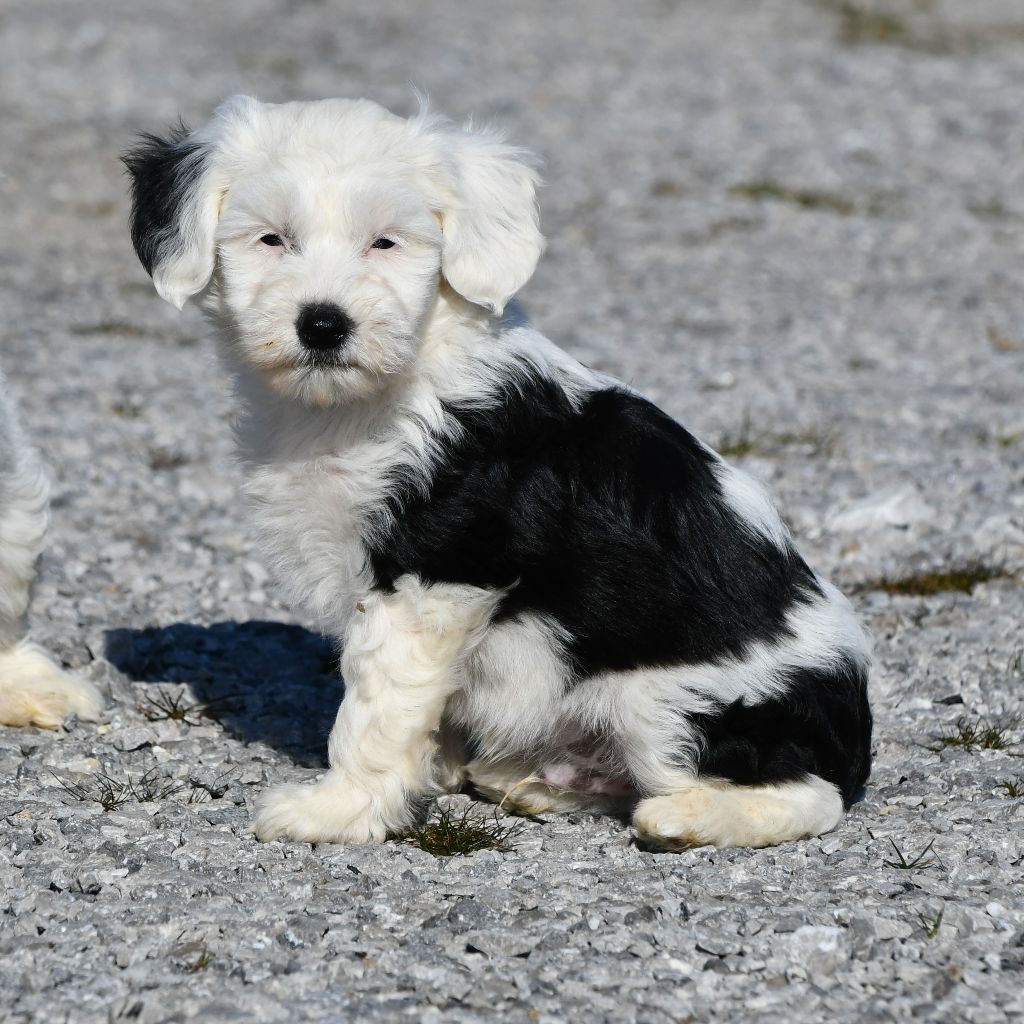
pixel 889 23
pixel 734 445
pixel 167 706
pixel 203 961
pixel 820 442
pixel 454 835
pixel 127 409
pixel 808 199
pixel 1013 788
pixel 150 787
pixel 958 578
pixel 748 441
pixel 117 328
pixel 860 24
pixel 974 735
pixel 918 863
pixel 1010 439
pixel 931 925
pixel 111 792
pixel 166 458
pixel 991 209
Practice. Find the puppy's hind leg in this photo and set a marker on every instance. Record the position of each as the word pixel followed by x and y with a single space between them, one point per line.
pixel 34 690
pixel 401 664
pixel 756 773
pixel 715 812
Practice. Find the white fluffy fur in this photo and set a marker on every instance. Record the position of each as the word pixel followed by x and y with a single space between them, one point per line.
pixel 322 443
pixel 710 812
pixel 34 690
pixel 401 664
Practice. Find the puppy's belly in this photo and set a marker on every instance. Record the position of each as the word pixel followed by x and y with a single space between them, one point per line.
pixel 515 707
pixel 582 772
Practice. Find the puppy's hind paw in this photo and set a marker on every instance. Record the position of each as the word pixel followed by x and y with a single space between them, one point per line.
pixel 714 812
pixel 328 812
pixel 34 690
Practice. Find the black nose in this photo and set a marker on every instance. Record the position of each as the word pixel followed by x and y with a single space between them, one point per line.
pixel 323 326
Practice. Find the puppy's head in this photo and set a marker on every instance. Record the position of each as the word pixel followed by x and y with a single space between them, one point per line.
pixel 317 234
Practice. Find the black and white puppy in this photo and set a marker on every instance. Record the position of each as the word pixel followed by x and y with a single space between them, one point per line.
pixel 541 582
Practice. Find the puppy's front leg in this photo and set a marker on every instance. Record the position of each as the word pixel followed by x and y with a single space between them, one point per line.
pixel 401 664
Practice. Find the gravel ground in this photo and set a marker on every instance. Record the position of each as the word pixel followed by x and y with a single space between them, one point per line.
pixel 799 227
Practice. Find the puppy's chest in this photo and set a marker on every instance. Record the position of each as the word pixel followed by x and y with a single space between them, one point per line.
pixel 311 518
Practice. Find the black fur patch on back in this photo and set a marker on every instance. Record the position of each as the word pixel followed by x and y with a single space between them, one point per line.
pixel 163 171
pixel 819 725
pixel 608 519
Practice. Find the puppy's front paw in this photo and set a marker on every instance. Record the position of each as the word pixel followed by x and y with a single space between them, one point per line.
pixel 34 690
pixel 331 811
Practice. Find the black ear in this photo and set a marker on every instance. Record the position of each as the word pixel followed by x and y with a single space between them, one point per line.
pixel 174 211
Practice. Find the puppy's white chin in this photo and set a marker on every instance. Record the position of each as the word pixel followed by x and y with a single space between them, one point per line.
pixel 323 388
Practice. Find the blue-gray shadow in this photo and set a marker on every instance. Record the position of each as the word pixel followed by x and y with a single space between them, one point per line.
pixel 262 681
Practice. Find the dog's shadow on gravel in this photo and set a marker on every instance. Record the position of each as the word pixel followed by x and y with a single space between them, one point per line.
pixel 262 681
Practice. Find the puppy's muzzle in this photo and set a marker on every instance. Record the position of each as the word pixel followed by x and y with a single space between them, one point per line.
pixel 323 328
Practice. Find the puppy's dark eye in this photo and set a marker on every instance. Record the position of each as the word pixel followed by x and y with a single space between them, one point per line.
pixel 274 241
pixel 383 243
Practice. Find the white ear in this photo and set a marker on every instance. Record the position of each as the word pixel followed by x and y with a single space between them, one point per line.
pixel 492 240
pixel 177 193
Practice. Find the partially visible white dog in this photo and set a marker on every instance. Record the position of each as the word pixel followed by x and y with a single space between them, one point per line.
pixel 541 582
pixel 34 690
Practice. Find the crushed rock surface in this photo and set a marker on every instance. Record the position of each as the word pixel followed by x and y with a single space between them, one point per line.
pixel 801 231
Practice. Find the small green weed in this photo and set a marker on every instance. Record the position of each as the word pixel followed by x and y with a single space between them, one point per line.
pixel 958 578
pixel 167 706
pixel 111 792
pixel 150 786
pixel 818 441
pixel 918 863
pixel 991 209
pixel 809 199
pixel 184 953
pixel 931 925
pixel 974 735
pixel 203 961
pixel 860 24
pixel 734 445
pixel 914 26
pixel 166 458
pixel 454 835
pixel 117 328
pixel 748 441
pixel 1013 787
pixel 127 409
pixel 101 788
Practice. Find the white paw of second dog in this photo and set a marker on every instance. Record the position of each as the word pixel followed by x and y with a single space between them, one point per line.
pixel 332 811
pixel 35 690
